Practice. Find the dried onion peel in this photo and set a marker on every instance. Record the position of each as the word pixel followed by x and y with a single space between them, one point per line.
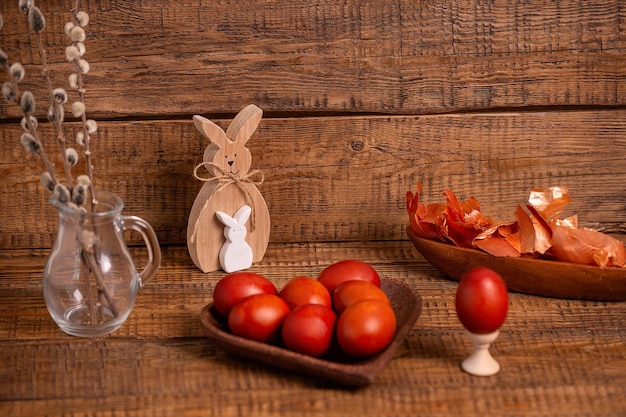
pixel 536 233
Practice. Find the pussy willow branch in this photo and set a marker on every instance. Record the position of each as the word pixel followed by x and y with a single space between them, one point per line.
pixel 81 97
pixel 57 122
pixel 89 255
pixel 42 154
pixel 17 95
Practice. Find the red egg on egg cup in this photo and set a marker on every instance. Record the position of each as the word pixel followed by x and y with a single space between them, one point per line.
pixel 481 304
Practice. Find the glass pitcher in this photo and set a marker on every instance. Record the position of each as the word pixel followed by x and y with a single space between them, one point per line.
pixel 90 281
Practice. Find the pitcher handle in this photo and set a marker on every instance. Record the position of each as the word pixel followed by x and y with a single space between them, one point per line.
pixel 152 244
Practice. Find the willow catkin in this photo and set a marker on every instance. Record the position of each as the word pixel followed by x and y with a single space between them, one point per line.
pixel 27 103
pixel 30 143
pixel 36 20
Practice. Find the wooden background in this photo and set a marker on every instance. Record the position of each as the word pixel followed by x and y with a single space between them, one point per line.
pixel 362 99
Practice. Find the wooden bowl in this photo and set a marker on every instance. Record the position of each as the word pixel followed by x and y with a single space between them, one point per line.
pixel 335 366
pixel 527 275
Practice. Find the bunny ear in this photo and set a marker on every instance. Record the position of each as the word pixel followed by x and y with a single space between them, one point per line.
pixel 244 124
pixel 242 215
pixel 212 131
pixel 226 219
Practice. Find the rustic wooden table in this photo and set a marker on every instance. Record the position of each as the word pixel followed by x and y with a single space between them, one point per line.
pixel 559 357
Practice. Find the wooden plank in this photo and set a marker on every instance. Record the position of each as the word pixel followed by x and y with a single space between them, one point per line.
pixel 558 357
pixel 343 178
pixel 407 57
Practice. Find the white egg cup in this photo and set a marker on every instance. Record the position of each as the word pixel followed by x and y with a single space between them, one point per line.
pixel 480 362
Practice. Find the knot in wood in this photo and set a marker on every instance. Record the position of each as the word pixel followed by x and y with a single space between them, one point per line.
pixel 357 145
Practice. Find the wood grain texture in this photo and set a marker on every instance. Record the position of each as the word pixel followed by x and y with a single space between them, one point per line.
pixel 343 178
pixel 558 357
pixel 289 56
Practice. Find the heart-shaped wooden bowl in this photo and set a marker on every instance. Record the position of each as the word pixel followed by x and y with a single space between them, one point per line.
pixel 335 366
pixel 527 275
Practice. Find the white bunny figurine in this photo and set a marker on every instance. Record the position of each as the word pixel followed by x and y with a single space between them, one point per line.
pixel 235 254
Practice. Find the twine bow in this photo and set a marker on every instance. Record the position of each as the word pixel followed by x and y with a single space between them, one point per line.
pixel 225 179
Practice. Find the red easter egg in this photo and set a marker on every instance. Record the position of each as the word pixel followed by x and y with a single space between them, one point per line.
pixel 482 301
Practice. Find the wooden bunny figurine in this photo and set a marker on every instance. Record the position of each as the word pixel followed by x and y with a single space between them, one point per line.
pixel 229 188
pixel 235 254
